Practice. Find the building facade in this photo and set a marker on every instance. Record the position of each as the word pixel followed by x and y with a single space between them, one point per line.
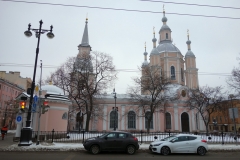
pixel 8 106
pixel 176 116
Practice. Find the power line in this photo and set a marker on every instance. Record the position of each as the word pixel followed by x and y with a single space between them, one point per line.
pixel 121 9
pixel 192 4
pixel 118 70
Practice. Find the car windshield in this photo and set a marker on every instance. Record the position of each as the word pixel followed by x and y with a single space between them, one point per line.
pixel 102 136
pixel 168 138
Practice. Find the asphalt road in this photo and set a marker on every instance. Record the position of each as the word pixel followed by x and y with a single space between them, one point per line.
pixel 83 155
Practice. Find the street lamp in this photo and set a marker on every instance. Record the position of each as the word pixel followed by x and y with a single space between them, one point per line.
pixel 223 125
pixel 115 109
pixel 214 124
pixel 26 132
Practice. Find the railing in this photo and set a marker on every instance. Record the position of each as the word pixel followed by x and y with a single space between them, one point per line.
pixel 143 137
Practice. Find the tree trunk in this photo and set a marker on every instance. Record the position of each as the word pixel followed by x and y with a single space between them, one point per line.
pixel 87 122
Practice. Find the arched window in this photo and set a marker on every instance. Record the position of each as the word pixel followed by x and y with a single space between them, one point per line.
pixel 168 121
pixel 64 116
pixel 182 74
pixel 166 35
pixel 113 119
pixel 147 118
pixel 131 119
pixel 173 73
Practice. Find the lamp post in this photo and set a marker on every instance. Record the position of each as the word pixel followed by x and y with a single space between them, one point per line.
pixel 223 125
pixel 233 114
pixel 214 124
pixel 115 110
pixel 26 133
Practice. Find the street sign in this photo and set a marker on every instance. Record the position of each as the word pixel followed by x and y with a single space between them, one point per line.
pixel 233 111
pixel 35 99
pixel 19 119
pixel 34 106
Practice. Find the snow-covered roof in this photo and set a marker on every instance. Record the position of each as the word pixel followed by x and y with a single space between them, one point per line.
pixel 52 89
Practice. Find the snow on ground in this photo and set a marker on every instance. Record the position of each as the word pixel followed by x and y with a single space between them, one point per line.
pixel 79 146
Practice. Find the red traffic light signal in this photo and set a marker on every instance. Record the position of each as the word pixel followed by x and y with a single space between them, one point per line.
pixel 45 103
pixel 22 105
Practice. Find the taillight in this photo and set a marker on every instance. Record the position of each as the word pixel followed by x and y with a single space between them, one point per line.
pixel 135 139
pixel 203 140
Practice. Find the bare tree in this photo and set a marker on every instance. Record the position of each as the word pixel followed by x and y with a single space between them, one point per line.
pixel 234 80
pixel 205 100
pixel 84 79
pixel 151 92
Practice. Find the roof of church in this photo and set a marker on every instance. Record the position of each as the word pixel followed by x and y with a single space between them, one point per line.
pixel 165 46
pixel 85 40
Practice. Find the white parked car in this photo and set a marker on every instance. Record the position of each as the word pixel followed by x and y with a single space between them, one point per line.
pixel 181 143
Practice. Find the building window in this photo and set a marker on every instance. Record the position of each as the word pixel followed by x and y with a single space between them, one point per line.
pixel 112 118
pixel 64 116
pixel 147 118
pixel 168 121
pixel 131 120
pixel 166 35
pixel 173 73
pixel 232 128
pixel 0 86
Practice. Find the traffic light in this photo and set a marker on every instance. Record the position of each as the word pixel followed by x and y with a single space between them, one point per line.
pixel 22 105
pixel 45 107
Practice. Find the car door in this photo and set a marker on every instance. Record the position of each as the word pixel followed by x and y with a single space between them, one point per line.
pixel 180 144
pixel 122 141
pixel 110 141
pixel 192 142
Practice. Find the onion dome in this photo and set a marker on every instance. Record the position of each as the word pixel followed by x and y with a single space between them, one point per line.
pixel 145 57
pixel 189 52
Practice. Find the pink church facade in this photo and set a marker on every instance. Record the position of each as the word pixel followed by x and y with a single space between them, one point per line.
pixel 176 116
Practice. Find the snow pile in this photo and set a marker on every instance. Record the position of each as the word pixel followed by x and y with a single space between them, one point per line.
pixel 79 147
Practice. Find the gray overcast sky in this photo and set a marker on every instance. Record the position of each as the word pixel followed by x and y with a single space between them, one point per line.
pixel 122 34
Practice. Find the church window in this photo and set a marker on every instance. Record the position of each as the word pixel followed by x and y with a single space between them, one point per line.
pixel 166 35
pixel 147 118
pixel 131 119
pixel 173 73
pixel 112 119
pixel 168 121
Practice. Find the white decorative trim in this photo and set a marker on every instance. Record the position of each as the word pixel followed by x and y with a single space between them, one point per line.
pixel 58 108
pixel 105 121
pixel 123 118
pixel 176 118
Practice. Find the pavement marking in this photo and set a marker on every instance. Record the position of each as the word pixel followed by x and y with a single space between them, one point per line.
pixel 71 156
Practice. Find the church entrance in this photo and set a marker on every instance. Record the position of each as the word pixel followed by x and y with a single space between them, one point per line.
pixel 185 122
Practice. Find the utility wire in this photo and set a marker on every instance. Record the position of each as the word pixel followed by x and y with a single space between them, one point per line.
pixel 119 70
pixel 121 9
pixel 192 4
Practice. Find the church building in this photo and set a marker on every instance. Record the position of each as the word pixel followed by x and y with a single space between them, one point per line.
pixel 182 71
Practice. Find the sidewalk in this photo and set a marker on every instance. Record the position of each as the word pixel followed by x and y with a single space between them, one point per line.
pixel 8 145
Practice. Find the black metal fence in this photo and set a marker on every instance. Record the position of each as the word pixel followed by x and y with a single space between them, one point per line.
pixel 143 137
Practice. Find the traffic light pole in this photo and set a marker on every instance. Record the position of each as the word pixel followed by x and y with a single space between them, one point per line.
pixel 39 105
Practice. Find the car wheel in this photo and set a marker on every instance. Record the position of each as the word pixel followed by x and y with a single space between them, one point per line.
pixel 95 149
pixel 165 151
pixel 131 149
pixel 201 151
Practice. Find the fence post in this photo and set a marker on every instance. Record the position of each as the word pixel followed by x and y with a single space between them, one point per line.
pixel 52 134
pixel 141 135
pixel 83 135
